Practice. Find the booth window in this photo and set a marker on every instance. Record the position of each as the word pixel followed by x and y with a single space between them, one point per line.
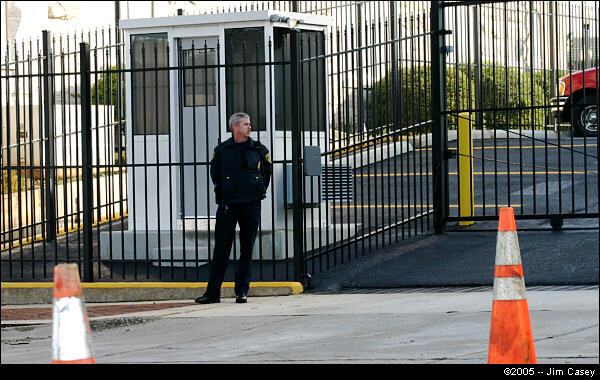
pixel 199 83
pixel 149 84
pixel 245 74
pixel 312 80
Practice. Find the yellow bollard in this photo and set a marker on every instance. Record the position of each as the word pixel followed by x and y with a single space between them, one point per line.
pixel 465 167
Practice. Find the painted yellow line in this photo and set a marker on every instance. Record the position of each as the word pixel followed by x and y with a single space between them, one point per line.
pixel 295 286
pixel 520 147
pixel 515 172
pixel 391 174
pixel 414 206
pixel 534 146
pixel 478 173
pixel 61 232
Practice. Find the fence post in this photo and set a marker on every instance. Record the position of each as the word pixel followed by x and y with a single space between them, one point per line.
pixel 86 158
pixel 49 164
pixel 359 71
pixel 394 37
pixel 297 174
pixel 552 49
pixel 438 107
pixel 478 71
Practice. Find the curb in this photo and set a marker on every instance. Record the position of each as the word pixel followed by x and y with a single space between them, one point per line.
pixel 28 293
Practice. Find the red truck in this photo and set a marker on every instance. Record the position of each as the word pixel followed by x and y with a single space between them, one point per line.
pixel 577 101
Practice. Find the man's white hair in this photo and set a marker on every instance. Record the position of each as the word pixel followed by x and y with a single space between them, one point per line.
pixel 236 118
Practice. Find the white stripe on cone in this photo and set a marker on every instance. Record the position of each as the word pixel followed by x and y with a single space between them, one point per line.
pixel 71 338
pixel 509 289
pixel 508 253
pixel 507 248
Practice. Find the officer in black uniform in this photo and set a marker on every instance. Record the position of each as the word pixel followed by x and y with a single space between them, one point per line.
pixel 241 171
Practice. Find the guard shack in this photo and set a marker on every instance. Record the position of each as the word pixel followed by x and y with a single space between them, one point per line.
pixel 186 76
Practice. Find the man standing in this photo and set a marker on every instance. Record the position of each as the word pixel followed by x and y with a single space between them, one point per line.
pixel 241 171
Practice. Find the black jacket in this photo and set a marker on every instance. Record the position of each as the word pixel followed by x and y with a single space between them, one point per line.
pixel 240 172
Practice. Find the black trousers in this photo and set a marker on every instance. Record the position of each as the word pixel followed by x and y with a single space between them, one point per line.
pixel 247 215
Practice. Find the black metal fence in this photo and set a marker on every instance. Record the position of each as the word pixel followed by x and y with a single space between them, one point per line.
pixel 58 176
pixel 105 151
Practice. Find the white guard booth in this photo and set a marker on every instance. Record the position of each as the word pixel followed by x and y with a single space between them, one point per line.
pixel 175 118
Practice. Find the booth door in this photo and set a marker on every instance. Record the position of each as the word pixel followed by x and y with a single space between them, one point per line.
pixel 198 124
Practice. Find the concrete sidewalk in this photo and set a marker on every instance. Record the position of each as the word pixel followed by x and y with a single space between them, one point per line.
pixel 433 325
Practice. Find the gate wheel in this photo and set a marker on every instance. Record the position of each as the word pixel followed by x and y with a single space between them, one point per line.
pixel 556 223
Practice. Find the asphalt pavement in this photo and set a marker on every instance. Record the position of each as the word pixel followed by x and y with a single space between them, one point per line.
pixel 567 257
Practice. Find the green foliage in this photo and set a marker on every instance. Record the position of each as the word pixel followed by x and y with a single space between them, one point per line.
pixel 511 98
pixel 120 159
pixel 15 181
pixel 105 90
pixel 5 187
pixel 517 93
pixel 413 90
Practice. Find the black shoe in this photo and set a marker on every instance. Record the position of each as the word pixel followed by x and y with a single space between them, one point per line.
pixel 205 300
pixel 241 298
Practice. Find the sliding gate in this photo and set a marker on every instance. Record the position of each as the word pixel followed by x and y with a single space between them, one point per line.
pixel 508 68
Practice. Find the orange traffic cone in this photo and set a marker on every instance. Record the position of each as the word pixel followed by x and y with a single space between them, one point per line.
pixel 511 340
pixel 71 335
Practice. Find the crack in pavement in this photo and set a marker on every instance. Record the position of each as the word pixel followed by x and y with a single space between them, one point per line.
pixel 27 340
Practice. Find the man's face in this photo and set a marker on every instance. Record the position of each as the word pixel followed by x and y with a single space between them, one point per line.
pixel 243 128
